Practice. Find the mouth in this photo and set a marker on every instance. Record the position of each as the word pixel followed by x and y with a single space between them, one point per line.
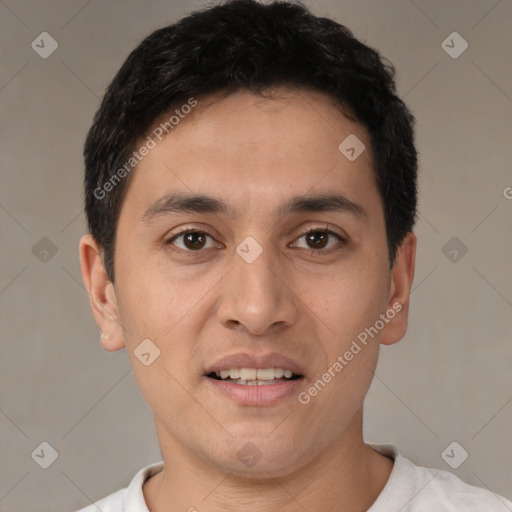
pixel 254 376
pixel 255 380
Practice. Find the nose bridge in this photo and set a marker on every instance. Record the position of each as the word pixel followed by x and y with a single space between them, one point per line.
pixel 256 295
pixel 254 272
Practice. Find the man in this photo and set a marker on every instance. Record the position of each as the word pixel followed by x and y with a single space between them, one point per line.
pixel 251 194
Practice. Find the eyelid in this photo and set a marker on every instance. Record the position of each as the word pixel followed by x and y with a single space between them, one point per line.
pixel 328 228
pixel 168 240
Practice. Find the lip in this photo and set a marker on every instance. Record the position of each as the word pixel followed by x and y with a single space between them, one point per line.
pixel 264 395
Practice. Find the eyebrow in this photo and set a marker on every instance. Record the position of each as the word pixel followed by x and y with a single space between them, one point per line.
pixel 200 203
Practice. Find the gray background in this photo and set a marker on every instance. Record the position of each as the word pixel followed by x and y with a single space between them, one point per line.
pixel 449 380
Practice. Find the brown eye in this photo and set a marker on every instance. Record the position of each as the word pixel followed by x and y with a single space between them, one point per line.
pixel 194 241
pixel 191 241
pixel 317 239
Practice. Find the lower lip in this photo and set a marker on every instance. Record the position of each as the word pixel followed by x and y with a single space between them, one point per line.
pixel 266 394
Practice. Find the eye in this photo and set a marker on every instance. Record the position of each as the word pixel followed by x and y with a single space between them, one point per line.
pixel 318 239
pixel 193 240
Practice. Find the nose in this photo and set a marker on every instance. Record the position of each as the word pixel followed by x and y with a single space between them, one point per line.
pixel 258 297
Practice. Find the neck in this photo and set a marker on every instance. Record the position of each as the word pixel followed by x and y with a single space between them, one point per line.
pixel 349 476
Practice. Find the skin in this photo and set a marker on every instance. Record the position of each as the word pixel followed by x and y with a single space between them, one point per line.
pixel 255 153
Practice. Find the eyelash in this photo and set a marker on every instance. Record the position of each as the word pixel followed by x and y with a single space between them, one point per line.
pixel 313 252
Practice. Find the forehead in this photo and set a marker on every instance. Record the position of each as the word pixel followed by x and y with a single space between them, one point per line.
pixel 245 148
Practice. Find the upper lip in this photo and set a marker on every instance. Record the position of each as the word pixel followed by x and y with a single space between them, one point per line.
pixel 248 360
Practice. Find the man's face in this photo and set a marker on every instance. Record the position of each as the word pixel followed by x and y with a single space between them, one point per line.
pixel 297 305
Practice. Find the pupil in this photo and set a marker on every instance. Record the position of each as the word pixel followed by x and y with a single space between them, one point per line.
pixel 318 239
pixel 192 242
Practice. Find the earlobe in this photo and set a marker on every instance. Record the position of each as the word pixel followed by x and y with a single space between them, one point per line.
pixel 113 341
pixel 402 276
pixel 101 294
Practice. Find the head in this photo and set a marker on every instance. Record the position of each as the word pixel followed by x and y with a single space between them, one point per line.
pixel 297 250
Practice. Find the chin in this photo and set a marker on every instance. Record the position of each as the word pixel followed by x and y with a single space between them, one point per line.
pixel 255 454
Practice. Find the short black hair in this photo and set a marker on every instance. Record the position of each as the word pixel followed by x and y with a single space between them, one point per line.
pixel 245 45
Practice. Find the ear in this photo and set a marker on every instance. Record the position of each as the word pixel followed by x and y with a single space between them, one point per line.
pixel 101 294
pixel 402 276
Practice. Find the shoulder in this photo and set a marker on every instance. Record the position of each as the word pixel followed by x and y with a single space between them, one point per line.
pixel 130 498
pixel 112 503
pixel 446 490
pixel 412 488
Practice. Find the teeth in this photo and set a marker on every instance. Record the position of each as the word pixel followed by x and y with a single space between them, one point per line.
pixel 251 376
pixel 248 373
pixel 265 373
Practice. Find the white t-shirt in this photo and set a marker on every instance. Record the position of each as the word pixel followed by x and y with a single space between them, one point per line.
pixel 410 488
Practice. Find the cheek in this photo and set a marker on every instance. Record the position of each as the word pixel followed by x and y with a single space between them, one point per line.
pixel 152 313
pixel 168 306
pixel 148 299
pixel 350 299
